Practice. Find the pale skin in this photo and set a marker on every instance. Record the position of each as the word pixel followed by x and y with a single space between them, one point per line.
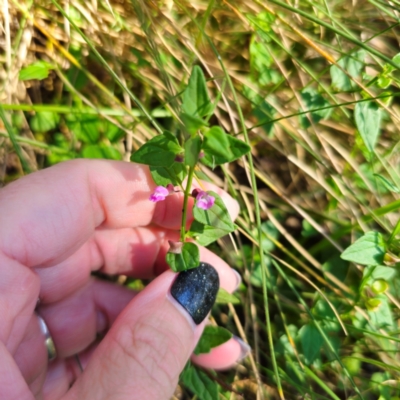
pixel 56 227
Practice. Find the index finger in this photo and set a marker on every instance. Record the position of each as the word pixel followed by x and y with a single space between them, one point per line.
pixel 48 215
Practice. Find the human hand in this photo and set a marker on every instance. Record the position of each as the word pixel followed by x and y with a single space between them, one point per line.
pixel 56 227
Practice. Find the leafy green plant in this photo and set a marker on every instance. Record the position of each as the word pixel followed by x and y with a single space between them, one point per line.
pixel 372 250
pixel 172 160
pixel 37 70
pixel 173 165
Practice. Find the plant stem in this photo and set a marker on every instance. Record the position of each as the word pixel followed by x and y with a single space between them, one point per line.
pixel 185 203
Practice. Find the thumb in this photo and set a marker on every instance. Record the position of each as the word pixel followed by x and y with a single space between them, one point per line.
pixel 149 344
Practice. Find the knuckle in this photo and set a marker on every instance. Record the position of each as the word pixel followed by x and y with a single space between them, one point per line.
pixel 154 354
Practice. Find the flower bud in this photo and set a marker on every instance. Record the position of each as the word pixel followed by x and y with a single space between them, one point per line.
pixel 373 304
pixel 175 247
pixel 379 286
pixel 195 192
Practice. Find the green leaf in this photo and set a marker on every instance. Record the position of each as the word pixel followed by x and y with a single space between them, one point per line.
pixel 261 61
pixel 336 266
pixel 387 100
pixel 174 174
pixel 269 234
pixel 388 185
pixel 18 120
pixel 111 153
pixel 212 336
pixel 92 151
pixel 206 234
pixel 260 57
pixel 262 21
pixel 77 78
pixel 216 142
pixel 396 59
pixel 383 81
pixel 322 310
pixel 379 387
pixel 256 277
pixel 62 143
pixel 196 100
pixel 264 111
pixel 353 65
pixel 381 316
pixel 113 133
pixel 395 232
pixel 284 345
pixel 223 297
pixel 367 170
pixel 37 70
pixel 217 216
pixel 55 158
pixel 192 123
pixel 189 258
pixel 368 120
pixel 101 151
pixel 199 383
pixel 159 151
pixel 367 250
pixel 192 150
pixel 75 15
pixel 220 148
pixel 90 128
pixel 312 100
pixel 308 230
pixel 311 341
pixel 375 272
pixel 44 121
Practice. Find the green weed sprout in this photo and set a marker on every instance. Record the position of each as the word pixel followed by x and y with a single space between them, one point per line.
pixel 172 160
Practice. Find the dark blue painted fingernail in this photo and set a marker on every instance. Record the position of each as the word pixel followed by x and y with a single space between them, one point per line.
pixel 196 290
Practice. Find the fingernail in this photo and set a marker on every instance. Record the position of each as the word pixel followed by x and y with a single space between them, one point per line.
pixel 245 349
pixel 238 279
pixel 196 290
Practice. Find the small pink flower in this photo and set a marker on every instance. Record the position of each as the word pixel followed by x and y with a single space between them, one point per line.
pixel 204 200
pixel 160 193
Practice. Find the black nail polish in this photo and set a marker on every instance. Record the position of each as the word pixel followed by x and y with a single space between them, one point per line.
pixel 196 290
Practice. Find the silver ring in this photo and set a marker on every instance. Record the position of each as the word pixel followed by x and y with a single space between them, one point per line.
pixel 48 341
